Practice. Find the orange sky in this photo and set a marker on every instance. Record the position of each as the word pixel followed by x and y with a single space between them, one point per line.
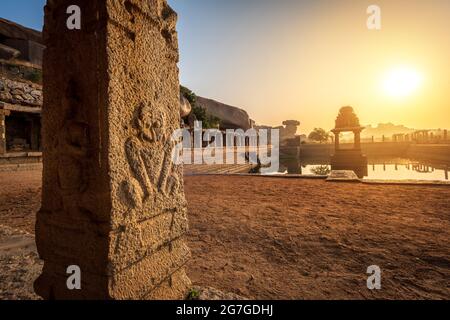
pixel 303 60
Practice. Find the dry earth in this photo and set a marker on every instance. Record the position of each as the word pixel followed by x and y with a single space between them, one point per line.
pixel 270 238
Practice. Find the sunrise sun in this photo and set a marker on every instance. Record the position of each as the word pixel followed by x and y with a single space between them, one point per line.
pixel 402 82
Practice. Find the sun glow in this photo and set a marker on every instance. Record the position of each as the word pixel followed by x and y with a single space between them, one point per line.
pixel 402 82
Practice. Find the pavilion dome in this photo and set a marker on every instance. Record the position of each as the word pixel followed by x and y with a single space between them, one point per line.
pixel 347 118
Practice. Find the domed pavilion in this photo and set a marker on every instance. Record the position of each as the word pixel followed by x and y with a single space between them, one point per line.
pixel 348 159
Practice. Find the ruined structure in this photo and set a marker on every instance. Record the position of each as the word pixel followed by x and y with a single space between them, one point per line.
pixel 18 42
pixel 348 159
pixel 20 107
pixel 113 203
pixel 289 131
pixel 20 93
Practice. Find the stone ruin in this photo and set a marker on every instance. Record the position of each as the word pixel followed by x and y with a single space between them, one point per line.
pixel 348 159
pixel 112 201
pixel 18 42
pixel 20 93
pixel 347 119
pixel 289 130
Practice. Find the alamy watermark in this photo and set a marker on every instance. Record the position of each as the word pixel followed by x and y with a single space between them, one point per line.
pixel 260 147
pixel 374 20
pixel 74 280
pixel 374 280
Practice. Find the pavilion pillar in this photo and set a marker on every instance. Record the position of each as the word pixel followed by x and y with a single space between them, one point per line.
pixel 113 207
pixel 336 141
pixel 357 140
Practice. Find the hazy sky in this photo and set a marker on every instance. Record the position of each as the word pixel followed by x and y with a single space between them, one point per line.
pixel 303 60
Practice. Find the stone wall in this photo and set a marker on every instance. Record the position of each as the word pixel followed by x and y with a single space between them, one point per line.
pixel 389 149
pixel 2 133
pixel 430 152
pixel 112 200
pixel 21 71
pixel 20 92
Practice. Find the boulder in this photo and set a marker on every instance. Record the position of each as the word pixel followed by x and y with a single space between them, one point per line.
pixel 9 29
pixel 185 107
pixel 231 117
pixel 8 53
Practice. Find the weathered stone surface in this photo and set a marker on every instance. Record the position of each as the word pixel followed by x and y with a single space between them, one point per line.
pixel 2 133
pixel 8 53
pixel 18 92
pixel 113 202
pixel 170 289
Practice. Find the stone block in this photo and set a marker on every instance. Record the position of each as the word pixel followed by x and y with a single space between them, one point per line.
pixel 112 200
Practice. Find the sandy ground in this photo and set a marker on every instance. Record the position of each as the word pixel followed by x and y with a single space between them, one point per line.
pixel 269 238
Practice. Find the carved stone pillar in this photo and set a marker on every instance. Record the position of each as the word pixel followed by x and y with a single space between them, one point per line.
pixel 113 202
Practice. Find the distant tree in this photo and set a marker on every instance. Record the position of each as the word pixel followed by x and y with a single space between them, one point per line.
pixel 319 135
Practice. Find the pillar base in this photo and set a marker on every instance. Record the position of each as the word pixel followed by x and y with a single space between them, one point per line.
pixel 350 160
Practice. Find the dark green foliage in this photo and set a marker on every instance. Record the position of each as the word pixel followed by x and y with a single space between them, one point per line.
pixel 189 95
pixel 208 121
pixel 34 76
pixel 194 294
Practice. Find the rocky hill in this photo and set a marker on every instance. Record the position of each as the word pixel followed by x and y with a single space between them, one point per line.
pixel 231 117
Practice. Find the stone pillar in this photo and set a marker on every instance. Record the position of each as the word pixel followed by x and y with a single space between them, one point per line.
pixel 2 133
pixel 357 140
pixel 336 141
pixel 112 200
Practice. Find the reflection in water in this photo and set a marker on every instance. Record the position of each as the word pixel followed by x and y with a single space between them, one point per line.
pixel 360 169
pixel 381 168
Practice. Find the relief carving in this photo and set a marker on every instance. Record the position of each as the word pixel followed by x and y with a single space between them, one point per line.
pixel 73 149
pixel 153 176
pixel 149 155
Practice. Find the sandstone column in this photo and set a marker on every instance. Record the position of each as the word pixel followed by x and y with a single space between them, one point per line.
pixel 113 203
